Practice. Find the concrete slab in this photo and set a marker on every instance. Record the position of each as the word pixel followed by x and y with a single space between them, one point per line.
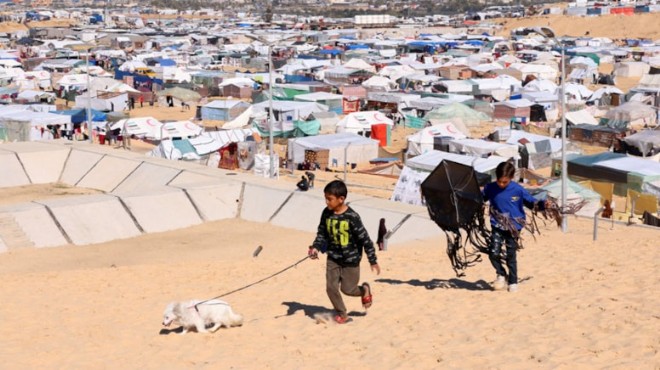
pixel 36 223
pixel 145 178
pixel 12 171
pixel 189 178
pixel 216 202
pixel 78 164
pixel 260 202
pixel 417 227
pixel 88 219
pixel 108 173
pixel 372 210
pixel 162 210
pixel 301 212
pixel 44 166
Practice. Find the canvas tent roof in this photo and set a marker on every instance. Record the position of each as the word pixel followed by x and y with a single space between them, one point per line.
pixel 580 117
pixel 359 149
pixel 457 113
pixel 645 140
pixel 299 109
pixel 429 161
pixel 362 121
pixel 482 148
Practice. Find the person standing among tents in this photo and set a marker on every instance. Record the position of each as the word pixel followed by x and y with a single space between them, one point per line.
pixel 343 237
pixel 507 218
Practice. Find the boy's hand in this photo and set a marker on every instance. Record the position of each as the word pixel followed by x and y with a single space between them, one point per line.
pixel 313 253
pixel 375 268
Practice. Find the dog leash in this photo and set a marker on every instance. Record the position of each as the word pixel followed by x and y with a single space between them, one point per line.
pixel 255 283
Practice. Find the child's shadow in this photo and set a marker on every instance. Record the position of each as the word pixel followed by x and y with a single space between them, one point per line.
pixel 310 310
pixel 441 283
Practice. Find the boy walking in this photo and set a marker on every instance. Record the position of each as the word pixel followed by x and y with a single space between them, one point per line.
pixel 343 237
pixel 507 218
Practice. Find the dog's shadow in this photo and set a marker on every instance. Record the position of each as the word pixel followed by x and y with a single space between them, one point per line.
pixel 311 311
pixel 178 330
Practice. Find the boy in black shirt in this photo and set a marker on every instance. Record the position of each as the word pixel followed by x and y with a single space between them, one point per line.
pixel 343 237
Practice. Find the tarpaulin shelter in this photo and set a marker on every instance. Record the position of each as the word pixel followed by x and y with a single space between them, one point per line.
pixel 457 113
pixel 80 115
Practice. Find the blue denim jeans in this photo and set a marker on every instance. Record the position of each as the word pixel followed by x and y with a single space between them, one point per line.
pixel 498 238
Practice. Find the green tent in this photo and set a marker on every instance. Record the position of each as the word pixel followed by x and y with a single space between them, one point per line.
pixel 457 112
pixel 301 128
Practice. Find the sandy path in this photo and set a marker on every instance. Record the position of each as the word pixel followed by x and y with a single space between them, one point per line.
pixel 580 305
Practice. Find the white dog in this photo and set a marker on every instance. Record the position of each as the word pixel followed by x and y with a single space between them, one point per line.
pixel 200 314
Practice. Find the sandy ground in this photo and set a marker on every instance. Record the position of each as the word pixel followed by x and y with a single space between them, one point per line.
pixel 580 305
pixel 613 26
pixel 28 193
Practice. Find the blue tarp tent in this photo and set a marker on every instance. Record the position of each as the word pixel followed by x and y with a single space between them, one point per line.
pixel 330 51
pixel 80 115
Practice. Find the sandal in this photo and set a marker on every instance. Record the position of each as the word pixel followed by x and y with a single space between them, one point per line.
pixel 367 299
pixel 341 319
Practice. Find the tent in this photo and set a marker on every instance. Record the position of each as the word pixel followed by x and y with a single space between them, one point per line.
pixel 360 65
pixel 379 83
pixel 179 93
pixel 581 116
pixel 181 129
pixel 416 170
pixel 575 193
pixel 423 141
pixel 632 114
pixel 80 115
pixel 147 127
pixel 459 114
pixel 631 69
pixel 646 141
pixel 361 122
pixel 482 148
pixel 357 149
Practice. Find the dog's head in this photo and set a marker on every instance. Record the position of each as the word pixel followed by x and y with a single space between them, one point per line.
pixel 171 314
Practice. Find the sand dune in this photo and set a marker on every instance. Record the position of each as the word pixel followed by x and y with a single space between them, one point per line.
pixel 581 305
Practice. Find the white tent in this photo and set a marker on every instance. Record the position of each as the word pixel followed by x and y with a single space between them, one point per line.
pixel 358 149
pixel 181 129
pixel 359 64
pixel 631 69
pixel 578 91
pixel 580 117
pixel 538 70
pixel 379 83
pixel 242 120
pixel 407 189
pixel 361 122
pixel 423 140
pixel 132 65
pixel 147 127
pixel 480 148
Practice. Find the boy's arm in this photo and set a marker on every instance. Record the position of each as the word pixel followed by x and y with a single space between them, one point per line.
pixel 362 238
pixel 530 201
pixel 321 239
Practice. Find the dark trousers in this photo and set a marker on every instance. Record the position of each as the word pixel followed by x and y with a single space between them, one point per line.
pixel 500 237
pixel 341 280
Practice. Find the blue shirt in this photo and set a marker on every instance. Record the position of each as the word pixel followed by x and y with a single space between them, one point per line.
pixel 508 202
